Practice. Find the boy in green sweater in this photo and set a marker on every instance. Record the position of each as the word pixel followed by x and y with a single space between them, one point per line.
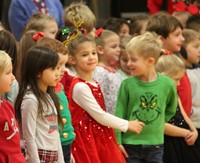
pixel 149 97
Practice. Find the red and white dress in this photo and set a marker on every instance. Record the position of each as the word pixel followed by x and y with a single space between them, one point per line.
pixel 95 142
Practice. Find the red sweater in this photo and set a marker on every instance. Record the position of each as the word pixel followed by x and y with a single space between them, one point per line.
pixel 10 151
pixel 185 94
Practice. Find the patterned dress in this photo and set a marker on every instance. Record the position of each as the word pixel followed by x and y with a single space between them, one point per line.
pixel 94 142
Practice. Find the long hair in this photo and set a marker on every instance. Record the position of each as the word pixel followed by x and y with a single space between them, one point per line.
pixel 35 61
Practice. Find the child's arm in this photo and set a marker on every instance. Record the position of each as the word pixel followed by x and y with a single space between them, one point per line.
pixel 29 112
pixel 191 138
pixel 83 96
pixel 172 130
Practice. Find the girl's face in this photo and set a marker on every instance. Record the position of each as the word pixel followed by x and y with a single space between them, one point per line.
pixel 51 29
pixel 86 59
pixel 111 49
pixel 123 63
pixel 138 65
pixel 62 62
pixel 6 79
pixel 193 52
pixel 124 30
pixel 174 41
pixel 49 77
pixel 178 77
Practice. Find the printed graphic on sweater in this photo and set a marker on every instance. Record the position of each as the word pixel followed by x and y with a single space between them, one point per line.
pixel 52 118
pixel 148 110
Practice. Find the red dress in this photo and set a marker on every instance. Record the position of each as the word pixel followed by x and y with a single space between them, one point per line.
pixel 94 143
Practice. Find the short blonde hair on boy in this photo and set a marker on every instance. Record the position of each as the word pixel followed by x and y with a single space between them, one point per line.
pixel 190 35
pixel 4 61
pixel 170 65
pixel 146 45
pixel 79 11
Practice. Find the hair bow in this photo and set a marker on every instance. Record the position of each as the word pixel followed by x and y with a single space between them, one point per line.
pixel 65 31
pixel 38 35
pixel 98 32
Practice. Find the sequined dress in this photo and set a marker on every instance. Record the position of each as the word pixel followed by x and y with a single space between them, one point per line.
pixel 94 142
pixel 175 148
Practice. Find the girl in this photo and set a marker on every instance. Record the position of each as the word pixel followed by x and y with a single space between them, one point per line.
pixel 43 23
pixel 9 45
pixel 95 142
pixel 10 150
pixel 108 51
pixel 37 106
pixel 180 133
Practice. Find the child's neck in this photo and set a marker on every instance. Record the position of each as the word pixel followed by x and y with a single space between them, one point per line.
pixel 106 65
pixel 86 77
pixel 150 77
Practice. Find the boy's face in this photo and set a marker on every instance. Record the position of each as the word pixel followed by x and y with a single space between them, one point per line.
pixel 51 29
pixel 174 41
pixel 138 65
pixel 193 52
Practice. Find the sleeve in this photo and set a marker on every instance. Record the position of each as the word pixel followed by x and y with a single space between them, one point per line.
pixel 29 111
pixel 154 6
pixel 17 18
pixel 120 111
pixel 172 103
pixel 60 13
pixel 82 95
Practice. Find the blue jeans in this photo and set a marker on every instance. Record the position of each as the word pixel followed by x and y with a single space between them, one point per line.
pixel 144 153
pixel 66 152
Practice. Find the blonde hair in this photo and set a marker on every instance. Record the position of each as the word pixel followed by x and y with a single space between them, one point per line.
pixel 100 40
pixel 79 11
pixel 170 65
pixel 5 60
pixel 38 22
pixel 190 35
pixel 146 45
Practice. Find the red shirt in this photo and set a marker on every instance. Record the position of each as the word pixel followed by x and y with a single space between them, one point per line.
pixel 185 94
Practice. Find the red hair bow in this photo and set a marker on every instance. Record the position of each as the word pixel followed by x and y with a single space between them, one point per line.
pixel 38 35
pixel 98 32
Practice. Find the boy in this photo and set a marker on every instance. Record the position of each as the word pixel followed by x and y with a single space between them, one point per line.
pixel 147 96
pixel 170 31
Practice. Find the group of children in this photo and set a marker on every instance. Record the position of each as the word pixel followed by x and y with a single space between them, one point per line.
pixel 135 85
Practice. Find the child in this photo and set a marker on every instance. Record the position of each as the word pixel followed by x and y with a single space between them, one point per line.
pixel 123 70
pixel 79 11
pixel 10 150
pixel 182 17
pixel 193 22
pixel 117 25
pixel 170 31
pixel 108 52
pixel 67 134
pixel 42 23
pixel 37 106
pixel 95 142
pixel 9 45
pixel 180 132
pixel 149 97
pixel 138 24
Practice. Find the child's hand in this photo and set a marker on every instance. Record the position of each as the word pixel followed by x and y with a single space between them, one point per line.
pixel 191 137
pixel 72 160
pixel 122 149
pixel 135 126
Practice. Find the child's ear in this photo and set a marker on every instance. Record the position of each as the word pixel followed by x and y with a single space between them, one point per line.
pixel 99 49
pixel 72 60
pixel 151 61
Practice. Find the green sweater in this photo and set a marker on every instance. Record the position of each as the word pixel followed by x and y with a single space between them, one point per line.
pixel 67 134
pixel 153 103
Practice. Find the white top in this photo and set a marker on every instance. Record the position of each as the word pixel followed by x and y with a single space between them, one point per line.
pixel 194 77
pixel 40 131
pixel 83 96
